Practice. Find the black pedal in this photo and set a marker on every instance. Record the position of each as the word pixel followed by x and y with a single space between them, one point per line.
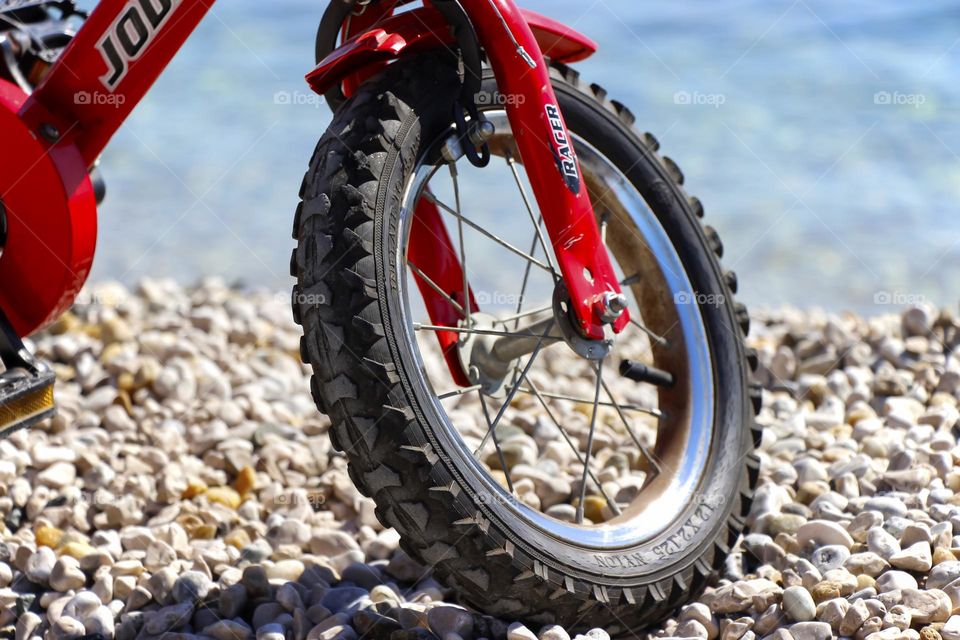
pixel 26 384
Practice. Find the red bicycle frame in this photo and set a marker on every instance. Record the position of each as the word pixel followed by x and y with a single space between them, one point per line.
pixel 57 133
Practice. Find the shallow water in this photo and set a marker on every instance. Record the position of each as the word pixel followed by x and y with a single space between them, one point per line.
pixel 823 138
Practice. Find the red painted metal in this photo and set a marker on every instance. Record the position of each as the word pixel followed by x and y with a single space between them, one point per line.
pixel 368 50
pixel 79 105
pixel 431 251
pixel 77 87
pixel 551 164
pixel 558 41
pixel 51 217
pixel 375 38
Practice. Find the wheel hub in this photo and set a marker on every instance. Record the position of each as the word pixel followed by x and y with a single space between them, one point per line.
pixel 490 353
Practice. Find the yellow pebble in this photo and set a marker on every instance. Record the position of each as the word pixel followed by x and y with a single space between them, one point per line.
pixel 67 323
pixel 826 590
pixel 865 582
pixel 593 508
pixel 940 554
pixel 203 532
pixel 225 496
pixel 238 538
pixel 48 537
pixel 194 489
pixel 246 481
pixel 125 381
pixel 78 550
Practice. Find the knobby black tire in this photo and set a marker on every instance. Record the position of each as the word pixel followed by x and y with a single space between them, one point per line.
pixel 351 196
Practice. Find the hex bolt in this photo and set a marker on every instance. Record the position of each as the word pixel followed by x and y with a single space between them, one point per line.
pixel 49 132
pixel 614 304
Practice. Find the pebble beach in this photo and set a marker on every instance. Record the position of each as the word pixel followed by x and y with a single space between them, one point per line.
pixel 187 489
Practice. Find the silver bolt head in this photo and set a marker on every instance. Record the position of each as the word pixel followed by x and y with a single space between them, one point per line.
pixel 614 304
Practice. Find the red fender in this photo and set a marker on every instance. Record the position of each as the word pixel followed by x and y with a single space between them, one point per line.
pixel 424 29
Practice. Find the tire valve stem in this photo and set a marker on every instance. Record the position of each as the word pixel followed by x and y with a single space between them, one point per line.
pixel 639 372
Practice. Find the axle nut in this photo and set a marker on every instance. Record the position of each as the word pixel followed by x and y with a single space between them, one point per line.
pixel 614 304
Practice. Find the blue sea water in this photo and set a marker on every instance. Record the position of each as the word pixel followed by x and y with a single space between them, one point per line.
pixel 823 138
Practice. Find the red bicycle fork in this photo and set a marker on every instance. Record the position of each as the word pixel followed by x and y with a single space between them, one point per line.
pixel 515 54
pixel 547 153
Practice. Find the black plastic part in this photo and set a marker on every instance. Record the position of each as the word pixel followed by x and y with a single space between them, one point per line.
pixel 327 34
pixel 99 185
pixel 639 372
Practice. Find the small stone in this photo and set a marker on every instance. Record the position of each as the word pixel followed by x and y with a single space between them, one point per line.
pixel 811 631
pixel 895 580
pixel 368 622
pixel 48 536
pixel 66 574
pixel 555 632
pixel 916 557
pixel 346 599
pixel 169 618
pixel 823 532
pixel 828 557
pixel 798 604
pixel 27 623
pixel 232 600
pixel 867 563
pixel 285 570
pixel 856 615
pixel 927 606
pixel 40 565
pixel 225 496
pixel 99 622
pixel 228 630
pixel 78 550
pixel 951 629
pixel 67 627
pixel 246 481
pixel 256 582
pixel 191 586
pixel 518 631
pixel 271 632
pixel 446 619
pixel 942 574
pixel 289 598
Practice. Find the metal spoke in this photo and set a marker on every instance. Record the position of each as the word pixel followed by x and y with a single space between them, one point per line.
pixel 463 251
pixel 483 332
pixel 604 219
pixel 458 392
pixel 593 428
pixel 433 285
pixel 653 336
pixel 473 225
pixel 523 286
pixel 566 436
pixel 526 201
pixel 525 314
pixel 513 389
pixel 492 431
pixel 558 396
pixel 633 435
pixel 630 280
